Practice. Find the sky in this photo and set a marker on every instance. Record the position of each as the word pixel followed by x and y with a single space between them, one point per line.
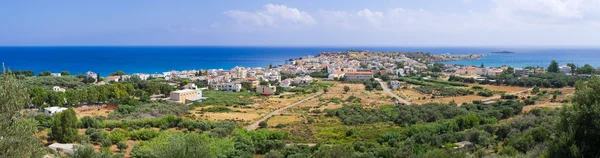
pixel 300 23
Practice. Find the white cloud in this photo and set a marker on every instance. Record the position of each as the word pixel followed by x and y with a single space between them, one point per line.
pixel 272 16
pixel 548 11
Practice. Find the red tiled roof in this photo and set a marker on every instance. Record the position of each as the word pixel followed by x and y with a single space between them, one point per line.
pixel 338 72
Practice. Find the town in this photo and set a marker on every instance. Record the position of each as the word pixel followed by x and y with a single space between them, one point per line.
pixel 312 100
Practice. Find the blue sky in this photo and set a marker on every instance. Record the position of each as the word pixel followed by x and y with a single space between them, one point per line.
pixel 301 22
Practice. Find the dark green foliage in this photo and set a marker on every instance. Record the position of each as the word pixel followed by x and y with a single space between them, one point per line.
pixel 546 80
pixel 442 91
pixel 263 124
pixel 553 67
pixel 578 126
pixel 64 126
pixel 485 93
pixel 222 98
pixel 217 109
pixel 154 109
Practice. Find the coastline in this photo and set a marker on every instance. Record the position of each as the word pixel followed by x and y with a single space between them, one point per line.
pixel 105 60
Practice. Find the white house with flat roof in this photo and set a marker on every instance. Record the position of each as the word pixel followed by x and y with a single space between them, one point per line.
pixel 50 111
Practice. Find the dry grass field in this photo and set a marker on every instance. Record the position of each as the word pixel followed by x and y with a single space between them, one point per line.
pixel 368 98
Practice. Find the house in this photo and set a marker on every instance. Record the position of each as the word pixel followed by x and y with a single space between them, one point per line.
pixel 358 76
pixel 112 78
pixel 190 86
pixel 337 74
pixel 266 89
pixel 463 144
pixel 285 83
pixel 540 71
pixel 230 87
pixel 303 81
pixel 56 74
pixel 564 69
pixel 50 111
pixel 186 96
pixel 58 89
pixel 66 148
pixel 395 85
pixel 93 75
pixel 142 77
pixel 252 81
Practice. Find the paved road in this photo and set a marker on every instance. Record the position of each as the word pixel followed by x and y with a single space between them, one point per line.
pixel 388 91
pixel 255 124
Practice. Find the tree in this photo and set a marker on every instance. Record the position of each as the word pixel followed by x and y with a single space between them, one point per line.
pixel 45 73
pixel 199 73
pixel 263 124
pixel 122 146
pixel 586 69
pixel 118 73
pixel 578 123
pixel 535 89
pixel 274 154
pixel 553 67
pixel 482 66
pixel 65 73
pixel 346 89
pixel 64 126
pixel 28 73
pixel 56 98
pixel 38 96
pixel 325 90
pixel 17 133
pixel 573 67
pixel 73 96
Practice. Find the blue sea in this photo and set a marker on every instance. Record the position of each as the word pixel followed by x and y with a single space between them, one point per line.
pixel 146 59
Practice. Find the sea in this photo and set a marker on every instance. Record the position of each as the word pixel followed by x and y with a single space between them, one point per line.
pixel 157 59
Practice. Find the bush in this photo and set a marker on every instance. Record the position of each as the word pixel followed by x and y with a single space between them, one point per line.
pixel 263 124
pixel 217 109
pixel 122 146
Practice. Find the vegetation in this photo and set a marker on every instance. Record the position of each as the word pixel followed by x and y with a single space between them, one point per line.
pixel 442 91
pixel 222 98
pixel 17 132
pixel 64 126
pixel 149 110
pixel 546 80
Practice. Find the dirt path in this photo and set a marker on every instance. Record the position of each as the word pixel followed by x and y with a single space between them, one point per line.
pixel 388 91
pixel 255 124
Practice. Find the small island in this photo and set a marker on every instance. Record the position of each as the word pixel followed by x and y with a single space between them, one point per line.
pixel 503 52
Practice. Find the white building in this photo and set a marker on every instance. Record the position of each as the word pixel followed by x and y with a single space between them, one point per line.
pixel 142 77
pixel 394 85
pixel 50 111
pixel 58 89
pixel 231 87
pixel 190 86
pixel 564 69
pixel 285 83
pixel 66 148
pixel 303 80
pixel 266 89
pixel 56 74
pixel 112 78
